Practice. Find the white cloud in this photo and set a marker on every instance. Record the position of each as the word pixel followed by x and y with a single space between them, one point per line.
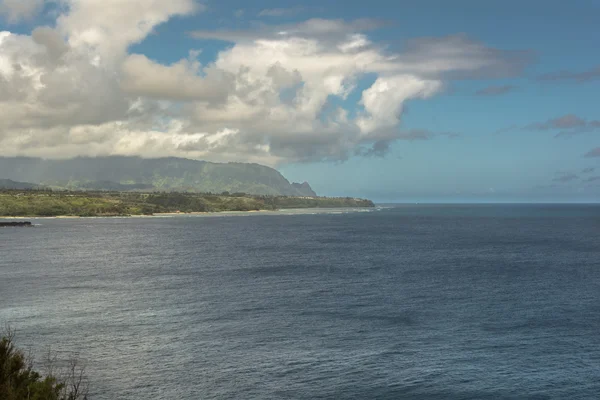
pixel 17 10
pixel 270 97
pixel 105 28
pixel 68 75
pixel 179 81
pixel 383 102
pixel 326 30
pixel 48 85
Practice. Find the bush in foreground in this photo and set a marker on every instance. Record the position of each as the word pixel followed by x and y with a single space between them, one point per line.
pixel 19 381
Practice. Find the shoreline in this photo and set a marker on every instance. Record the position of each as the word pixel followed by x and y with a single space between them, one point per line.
pixel 172 214
pixel 286 211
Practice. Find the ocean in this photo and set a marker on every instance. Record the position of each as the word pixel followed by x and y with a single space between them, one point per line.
pixel 405 302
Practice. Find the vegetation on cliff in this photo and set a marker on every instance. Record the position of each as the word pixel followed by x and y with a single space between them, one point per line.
pixel 119 173
pixel 10 184
pixel 45 203
pixel 19 380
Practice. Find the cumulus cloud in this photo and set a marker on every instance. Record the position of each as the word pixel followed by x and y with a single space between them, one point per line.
pixel 383 102
pixel 179 81
pixel 495 90
pixel 45 84
pixel 106 28
pixel 16 10
pixel 272 95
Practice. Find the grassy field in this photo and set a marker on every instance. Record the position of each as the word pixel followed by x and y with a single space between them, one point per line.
pixel 32 203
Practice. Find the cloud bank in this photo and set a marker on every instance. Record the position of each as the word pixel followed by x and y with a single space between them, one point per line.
pixel 314 90
pixel 17 10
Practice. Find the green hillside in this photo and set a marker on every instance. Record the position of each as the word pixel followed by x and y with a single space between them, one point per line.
pixel 32 203
pixel 165 174
pixel 10 184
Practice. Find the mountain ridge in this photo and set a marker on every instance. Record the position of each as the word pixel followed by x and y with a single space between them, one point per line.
pixel 10 184
pixel 136 173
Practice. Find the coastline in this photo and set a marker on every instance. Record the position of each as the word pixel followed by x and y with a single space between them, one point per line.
pixel 167 214
pixel 21 205
pixel 54 217
pixel 287 211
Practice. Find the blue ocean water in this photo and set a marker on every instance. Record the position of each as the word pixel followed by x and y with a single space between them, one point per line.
pixel 411 302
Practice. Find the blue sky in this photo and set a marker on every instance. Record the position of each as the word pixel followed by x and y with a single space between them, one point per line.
pixel 397 101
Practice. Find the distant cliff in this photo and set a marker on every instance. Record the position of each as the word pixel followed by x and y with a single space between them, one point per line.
pixel 305 189
pixel 165 174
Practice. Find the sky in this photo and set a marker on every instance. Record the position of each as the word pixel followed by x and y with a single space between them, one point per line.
pixel 408 101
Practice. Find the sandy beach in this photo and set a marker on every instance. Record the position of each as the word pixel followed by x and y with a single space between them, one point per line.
pixel 291 211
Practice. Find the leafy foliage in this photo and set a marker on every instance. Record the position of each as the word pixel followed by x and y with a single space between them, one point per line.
pixel 165 174
pixel 47 203
pixel 9 184
pixel 19 381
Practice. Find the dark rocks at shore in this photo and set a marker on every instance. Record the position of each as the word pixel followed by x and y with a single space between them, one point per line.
pixel 15 224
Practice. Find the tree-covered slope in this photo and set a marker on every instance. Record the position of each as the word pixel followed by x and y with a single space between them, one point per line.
pixel 134 173
pixel 32 203
pixel 10 184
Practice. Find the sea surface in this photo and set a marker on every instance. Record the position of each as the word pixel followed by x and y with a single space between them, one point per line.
pixel 409 302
